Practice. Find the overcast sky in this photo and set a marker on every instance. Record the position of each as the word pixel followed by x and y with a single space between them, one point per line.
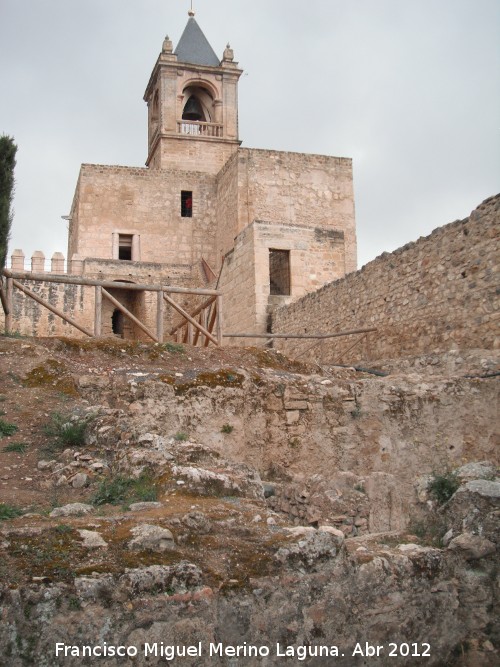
pixel 410 89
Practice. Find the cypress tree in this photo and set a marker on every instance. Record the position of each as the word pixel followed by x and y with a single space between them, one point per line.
pixel 8 151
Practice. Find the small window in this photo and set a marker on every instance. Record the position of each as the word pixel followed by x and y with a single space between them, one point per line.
pixel 186 204
pixel 279 272
pixel 125 246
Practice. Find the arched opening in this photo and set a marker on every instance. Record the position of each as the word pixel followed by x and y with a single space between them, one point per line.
pixel 198 105
pixel 155 110
pixel 117 322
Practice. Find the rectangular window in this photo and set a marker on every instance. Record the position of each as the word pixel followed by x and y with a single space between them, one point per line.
pixel 125 246
pixel 186 204
pixel 279 272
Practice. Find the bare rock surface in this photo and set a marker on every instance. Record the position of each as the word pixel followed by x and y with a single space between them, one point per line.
pixel 92 539
pixel 235 446
pixel 472 547
pixel 144 506
pixel 487 488
pixel 72 509
pixel 151 538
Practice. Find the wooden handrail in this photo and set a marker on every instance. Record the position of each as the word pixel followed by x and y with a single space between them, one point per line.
pixel 108 284
pixel 304 336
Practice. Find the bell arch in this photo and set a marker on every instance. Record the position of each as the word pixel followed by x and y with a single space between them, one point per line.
pixel 198 102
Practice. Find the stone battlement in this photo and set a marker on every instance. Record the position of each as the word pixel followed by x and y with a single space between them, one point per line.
pixel 38 262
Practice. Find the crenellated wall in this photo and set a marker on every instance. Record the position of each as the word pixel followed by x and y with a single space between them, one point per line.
pixel 440 292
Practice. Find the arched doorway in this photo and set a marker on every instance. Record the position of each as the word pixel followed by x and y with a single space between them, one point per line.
pixel 117 322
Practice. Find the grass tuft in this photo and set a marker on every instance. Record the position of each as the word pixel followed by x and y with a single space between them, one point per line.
pixel 19 447
pixel 9 511
pixel 174 348
pixel 6 428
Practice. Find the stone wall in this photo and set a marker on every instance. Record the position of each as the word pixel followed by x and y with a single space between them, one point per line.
pixel 147 203
pixel 314 255
pixel 31 319
pixel 298 189
pixel 183 153
pixel 237 282
pixel 227 207
pixel 437 293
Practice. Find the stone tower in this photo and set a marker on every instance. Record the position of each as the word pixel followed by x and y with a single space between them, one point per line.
pixel 192 99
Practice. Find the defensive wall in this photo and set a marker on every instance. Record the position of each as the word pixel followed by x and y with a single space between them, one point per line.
pixel 78 301
pixel 437 293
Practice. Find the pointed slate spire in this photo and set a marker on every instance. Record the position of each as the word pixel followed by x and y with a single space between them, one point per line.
pixel 193 46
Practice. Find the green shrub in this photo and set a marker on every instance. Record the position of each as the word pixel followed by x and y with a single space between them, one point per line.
pixel 227 428
pixel 9 511
pixel 443 486
pixel 6 428
pixel 66 433
pixel 180 436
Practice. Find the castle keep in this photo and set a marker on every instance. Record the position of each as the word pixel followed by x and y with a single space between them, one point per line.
pixel 267 227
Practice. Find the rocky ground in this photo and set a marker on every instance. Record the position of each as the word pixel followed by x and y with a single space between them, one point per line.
pixel 169 494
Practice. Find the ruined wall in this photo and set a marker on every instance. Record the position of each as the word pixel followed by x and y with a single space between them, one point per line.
pixel 146 203
pixel 439 292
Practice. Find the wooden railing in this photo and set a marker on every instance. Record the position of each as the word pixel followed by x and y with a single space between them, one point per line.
pixel 199 330
pixel 199 129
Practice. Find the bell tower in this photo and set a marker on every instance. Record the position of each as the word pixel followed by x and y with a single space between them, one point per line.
pixel 192 99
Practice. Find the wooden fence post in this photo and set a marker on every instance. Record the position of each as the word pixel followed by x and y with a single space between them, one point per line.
pixel 159 316
pixel 98 312
pixel 219 320
pixel 9 300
